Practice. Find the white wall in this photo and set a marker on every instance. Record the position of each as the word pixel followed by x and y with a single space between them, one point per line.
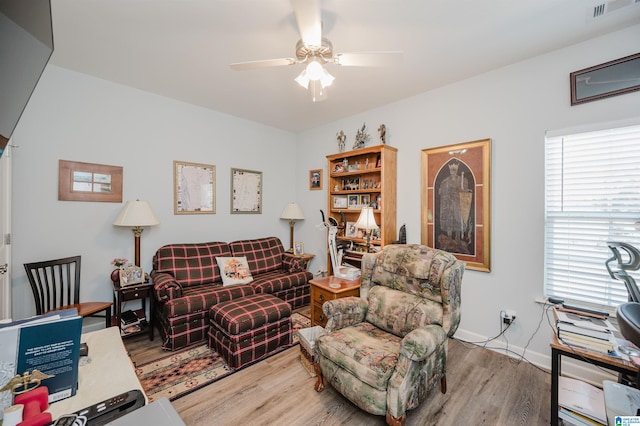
pixel 76 117
pixel 513 106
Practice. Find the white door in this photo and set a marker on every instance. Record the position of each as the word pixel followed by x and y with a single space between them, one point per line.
pixel 5 233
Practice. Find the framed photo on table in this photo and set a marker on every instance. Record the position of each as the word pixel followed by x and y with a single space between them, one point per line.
pixel 246 191
pixel 456 196
pixel 298 249
pixel 131 275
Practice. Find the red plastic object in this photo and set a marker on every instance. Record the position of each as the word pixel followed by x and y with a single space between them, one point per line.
pixel 35 402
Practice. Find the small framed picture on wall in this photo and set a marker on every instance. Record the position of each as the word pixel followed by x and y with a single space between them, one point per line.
pixel 315 179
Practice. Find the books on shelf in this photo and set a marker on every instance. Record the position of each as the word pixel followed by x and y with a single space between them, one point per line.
pixel 49 343
pixel 580 403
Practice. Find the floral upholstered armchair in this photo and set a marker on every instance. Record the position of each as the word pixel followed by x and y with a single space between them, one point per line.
pixel 387 349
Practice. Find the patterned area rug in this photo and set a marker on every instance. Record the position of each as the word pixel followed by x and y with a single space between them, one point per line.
pixel 185 371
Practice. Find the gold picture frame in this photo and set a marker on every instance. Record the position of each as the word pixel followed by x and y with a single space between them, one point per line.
pixel 246 191
pixel 315 180
pixel 456 201
pixel 194 188
pixel 79 181
pixel 298 248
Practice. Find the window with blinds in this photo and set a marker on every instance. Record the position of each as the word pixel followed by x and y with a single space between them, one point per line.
pixel 592 195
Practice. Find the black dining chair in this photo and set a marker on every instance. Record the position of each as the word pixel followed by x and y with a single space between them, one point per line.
pixel 56 286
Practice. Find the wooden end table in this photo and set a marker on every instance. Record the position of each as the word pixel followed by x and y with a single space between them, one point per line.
pixel 305 257
pixel 322 290
pixel 133 292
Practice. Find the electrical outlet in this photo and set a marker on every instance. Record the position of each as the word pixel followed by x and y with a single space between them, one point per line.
pixel 508 316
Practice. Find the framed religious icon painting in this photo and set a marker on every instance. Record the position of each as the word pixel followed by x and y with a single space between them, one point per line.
pixel 246 191
pixel 456 197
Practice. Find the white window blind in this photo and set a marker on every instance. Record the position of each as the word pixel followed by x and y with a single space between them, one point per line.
pixel 592 195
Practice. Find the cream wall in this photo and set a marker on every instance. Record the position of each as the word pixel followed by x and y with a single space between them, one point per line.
pixel 77 117
pixel 513 106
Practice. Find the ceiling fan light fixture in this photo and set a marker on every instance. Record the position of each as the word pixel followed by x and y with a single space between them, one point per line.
pixel 327 79
pixel 314 70
pixel 317 91
pixel 302 79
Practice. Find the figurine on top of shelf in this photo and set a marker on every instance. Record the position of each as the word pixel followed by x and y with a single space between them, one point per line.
pixel 382 130
pixel 362 137
pixel 341 140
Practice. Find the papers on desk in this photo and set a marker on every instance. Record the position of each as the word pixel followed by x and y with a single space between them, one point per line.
pixel 580 403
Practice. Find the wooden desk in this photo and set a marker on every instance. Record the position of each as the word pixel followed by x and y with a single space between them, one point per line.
pixel 558 350
pixel 108 373
pixel 321 291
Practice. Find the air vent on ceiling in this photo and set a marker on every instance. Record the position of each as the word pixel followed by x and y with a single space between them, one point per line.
pixel 605 8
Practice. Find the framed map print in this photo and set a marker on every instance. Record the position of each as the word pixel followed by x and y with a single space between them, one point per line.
pixel 194 188
pixel 246 191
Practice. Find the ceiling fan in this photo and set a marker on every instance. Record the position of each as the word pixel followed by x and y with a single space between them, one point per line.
pixel 315 51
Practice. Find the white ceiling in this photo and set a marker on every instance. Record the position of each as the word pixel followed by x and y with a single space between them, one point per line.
pixel 182 48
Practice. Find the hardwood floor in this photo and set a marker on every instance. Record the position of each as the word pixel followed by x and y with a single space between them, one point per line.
pixel 483 388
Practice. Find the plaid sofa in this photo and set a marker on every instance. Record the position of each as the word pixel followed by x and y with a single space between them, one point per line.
pixel 187 283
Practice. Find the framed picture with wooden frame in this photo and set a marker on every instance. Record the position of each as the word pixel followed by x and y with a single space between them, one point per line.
pixel 194 188
pixel 315 179
pixel 456 197
pixel 609 79
pixel 246 191
pixel 79 181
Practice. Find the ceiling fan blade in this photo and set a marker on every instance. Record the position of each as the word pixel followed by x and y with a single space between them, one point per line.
pixel 307 14
pixel 241 66
pixel 368 59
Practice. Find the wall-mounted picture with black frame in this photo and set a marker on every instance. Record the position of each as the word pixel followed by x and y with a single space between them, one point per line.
pixel 609 79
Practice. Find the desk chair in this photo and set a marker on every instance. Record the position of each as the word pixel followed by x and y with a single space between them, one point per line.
pixel 56 286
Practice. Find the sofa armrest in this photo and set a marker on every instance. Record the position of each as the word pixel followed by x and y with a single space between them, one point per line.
pixel 165 286
pixel 293 264
pixel 344 312
pixel 421 342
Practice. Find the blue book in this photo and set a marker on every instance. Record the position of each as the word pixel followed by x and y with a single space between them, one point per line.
pixel 53 347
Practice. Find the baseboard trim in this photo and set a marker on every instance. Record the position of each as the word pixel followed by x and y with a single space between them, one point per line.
pixel 570 367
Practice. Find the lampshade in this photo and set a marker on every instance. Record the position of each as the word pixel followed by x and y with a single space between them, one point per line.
pixel 366 220
pixel 292 212
pixel 136 213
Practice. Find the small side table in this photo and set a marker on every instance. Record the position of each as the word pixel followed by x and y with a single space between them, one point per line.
pixel 322 290
pixel 133 292
pixel 306 257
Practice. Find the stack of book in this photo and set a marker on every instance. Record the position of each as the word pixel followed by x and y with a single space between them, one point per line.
pixel 130 322
pixel 580 404
pixel 586 332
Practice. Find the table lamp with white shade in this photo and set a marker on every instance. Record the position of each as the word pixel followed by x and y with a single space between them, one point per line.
pixel 292 212
pixel 136 214
pixel 367 221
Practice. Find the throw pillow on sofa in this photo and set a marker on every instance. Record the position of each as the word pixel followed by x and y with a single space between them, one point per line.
pixel 234 270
